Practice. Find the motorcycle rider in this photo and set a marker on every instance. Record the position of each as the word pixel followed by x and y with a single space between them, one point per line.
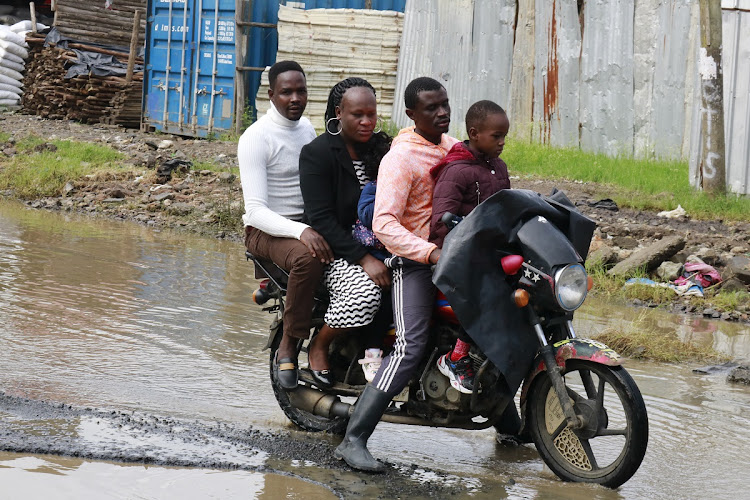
pixel 403 207
pixel 471 173
pixel 268 155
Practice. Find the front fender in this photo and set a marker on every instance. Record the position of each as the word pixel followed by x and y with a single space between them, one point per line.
pixel 585 349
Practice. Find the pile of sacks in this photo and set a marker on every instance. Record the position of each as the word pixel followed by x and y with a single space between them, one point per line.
pixel 13 55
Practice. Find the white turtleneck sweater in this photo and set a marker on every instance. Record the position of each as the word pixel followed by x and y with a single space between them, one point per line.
pixel 268 154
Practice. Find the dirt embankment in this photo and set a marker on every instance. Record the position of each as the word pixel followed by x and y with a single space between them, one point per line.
pixel 164 193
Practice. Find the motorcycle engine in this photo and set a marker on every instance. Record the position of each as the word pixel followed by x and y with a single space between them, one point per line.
pixel 439 391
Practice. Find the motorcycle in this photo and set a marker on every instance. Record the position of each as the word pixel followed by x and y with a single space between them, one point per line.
pixel 511 275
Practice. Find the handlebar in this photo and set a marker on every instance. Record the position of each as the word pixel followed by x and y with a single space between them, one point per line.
pixel 450 220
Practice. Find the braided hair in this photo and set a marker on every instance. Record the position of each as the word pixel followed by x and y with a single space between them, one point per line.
pixel 372 151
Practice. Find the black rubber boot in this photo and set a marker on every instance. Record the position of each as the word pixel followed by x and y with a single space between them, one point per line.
pixel 353 449
pixel 509 428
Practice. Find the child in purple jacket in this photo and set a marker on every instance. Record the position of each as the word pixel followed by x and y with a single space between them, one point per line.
pixel 470 173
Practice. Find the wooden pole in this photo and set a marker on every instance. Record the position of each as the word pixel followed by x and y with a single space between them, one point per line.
pixel 32 11
pixel 712 160
pixel 133 46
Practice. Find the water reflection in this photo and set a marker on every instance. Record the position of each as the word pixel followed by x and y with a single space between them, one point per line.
pixel 73 479
pixel 732 339
pixel 115 315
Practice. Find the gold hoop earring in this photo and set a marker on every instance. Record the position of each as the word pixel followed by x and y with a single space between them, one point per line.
pixel 379 127
pixel 338 129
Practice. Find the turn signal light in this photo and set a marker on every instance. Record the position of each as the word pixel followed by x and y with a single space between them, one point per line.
pixel 521 298
pixel 511 264
pixel 590 284
pixel 261 296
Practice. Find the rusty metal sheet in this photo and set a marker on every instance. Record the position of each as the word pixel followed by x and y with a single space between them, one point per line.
pixel 556 73
pixel 467 45
pixel 606 91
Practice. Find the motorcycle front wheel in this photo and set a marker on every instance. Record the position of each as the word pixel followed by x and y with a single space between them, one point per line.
pixel 610 447
pixel 301 418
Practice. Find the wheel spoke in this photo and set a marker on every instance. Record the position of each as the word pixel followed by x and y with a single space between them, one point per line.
pixel 588 383
pixel 589 453
pixel 577 398
pixel 600 396
pixel 563 425
pixel 612 432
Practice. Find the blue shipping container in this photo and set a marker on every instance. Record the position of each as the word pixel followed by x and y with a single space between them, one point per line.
pixel 190 76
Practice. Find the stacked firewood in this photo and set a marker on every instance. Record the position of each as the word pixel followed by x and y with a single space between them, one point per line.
pixel 86 98
pixel 92 21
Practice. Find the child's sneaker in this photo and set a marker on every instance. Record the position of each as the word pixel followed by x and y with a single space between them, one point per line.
pixel 371 363
pixel 460 373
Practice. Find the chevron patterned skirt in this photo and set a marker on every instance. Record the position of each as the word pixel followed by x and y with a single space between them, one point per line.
pixel 354 297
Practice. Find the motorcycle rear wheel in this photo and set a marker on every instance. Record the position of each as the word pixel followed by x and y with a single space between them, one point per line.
pixel 302 419
pixel 611 446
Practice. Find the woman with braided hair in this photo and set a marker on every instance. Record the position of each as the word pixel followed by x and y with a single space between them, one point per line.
pixel 333 169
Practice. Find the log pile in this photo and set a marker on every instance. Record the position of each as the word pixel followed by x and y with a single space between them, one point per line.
pixel 90 21
pixel 86 98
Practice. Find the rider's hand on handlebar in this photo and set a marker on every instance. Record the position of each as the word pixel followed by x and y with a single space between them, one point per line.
pixel 435 256
pixel 376 270
pixel 317 245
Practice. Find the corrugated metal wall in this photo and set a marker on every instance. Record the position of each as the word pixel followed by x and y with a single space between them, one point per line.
pixel 467 44
pixel 610 76
pixel 736 62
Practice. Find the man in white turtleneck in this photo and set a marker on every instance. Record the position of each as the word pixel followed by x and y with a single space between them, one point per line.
pixel 268 155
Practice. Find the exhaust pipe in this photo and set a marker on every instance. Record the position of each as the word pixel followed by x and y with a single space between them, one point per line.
pixel 317 403
pixel 329 406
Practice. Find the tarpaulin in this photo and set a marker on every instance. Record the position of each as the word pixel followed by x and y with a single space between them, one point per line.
pixel 470 275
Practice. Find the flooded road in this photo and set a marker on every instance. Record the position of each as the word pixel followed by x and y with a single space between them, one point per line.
pixel 121 346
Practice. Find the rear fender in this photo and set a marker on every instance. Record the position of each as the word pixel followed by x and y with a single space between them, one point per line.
pixel 276 328
pixel 578 348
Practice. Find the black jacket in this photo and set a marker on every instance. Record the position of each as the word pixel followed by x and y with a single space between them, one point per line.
pixel 331 192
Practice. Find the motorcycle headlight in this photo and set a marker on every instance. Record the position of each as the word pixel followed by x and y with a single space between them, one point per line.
pixel 571 286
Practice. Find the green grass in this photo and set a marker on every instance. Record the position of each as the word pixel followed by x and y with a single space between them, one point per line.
pixel 643 339
pixel 642 184
pixel 214 167
pixel 32 174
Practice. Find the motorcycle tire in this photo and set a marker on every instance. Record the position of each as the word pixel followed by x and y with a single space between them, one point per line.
pixel 610 447
pixel 302 419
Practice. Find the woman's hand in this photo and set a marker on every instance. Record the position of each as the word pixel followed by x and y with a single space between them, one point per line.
pixel 376 270
pixel 317 245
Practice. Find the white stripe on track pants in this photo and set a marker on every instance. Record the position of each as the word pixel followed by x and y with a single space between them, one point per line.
pixel 413 296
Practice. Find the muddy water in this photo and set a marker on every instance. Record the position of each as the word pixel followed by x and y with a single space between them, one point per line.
pixel 116 337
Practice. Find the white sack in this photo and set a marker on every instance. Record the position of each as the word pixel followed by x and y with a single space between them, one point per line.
pixel 10 81
pixel 26 26
pixel 4 94
pixel 10 88
pixel 15 66
pixel 13 48
pixel 11 73
pixel 9 102
pixel 7 34
pixel 9 56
